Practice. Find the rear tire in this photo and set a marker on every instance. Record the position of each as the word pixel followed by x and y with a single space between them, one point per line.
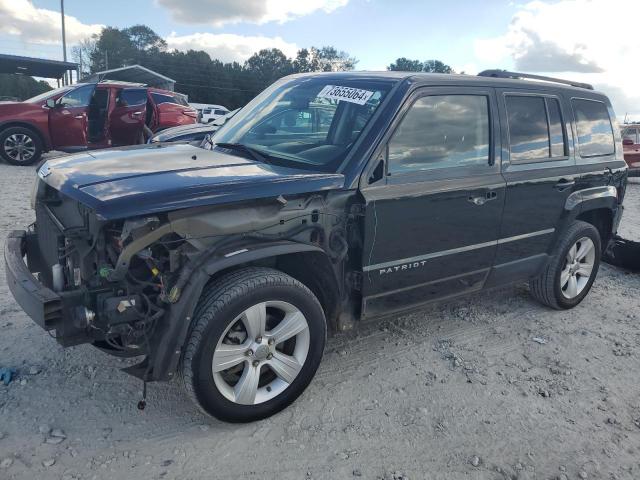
pixel 572 269
pixel 20 146
pixel 257 340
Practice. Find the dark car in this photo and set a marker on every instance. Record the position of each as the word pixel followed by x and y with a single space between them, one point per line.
pixel 87 116
pixel 328 199
pixel 194 134
pixel 631 145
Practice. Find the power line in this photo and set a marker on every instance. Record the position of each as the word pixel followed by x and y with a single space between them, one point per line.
pixel 217 88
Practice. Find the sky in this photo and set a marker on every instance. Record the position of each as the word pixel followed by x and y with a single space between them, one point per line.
pixel 591 41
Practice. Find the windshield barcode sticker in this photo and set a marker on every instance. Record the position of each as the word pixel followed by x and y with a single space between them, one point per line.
pixel 347 94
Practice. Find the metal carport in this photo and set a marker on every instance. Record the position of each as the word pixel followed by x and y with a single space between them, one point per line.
pixel 35 67
pixel 135 74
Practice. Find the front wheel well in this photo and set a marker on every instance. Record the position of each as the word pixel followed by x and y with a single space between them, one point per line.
pixel 313 269
pixel 602 219
pixel 28 126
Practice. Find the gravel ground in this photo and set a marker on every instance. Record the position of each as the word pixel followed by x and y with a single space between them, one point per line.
pixel 489 387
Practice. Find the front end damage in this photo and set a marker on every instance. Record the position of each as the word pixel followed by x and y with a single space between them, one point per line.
pixel 131 286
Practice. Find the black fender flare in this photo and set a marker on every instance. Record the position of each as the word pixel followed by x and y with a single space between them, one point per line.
pixel 592 199
pixel 581 201
pixel 171 335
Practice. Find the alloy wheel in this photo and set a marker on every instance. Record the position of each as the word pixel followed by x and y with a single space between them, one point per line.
pixel 261 353
pixel 19 147
pixel 578 267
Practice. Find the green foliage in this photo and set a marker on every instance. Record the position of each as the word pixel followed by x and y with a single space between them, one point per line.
pixel 404 64
pixel 202 78
pixel 269 65
pixel 144 39
pixel 436 66
pixel 21 87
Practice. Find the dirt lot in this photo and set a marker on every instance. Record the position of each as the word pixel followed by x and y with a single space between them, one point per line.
pixel 456 391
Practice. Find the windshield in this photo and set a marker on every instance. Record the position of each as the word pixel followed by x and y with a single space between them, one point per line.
pixel 308 122
pixel 43 96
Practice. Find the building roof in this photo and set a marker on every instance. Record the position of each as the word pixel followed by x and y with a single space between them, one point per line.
pixel 36 67
pixel 135 74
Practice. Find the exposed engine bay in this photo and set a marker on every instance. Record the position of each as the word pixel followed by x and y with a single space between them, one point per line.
pixel 122 279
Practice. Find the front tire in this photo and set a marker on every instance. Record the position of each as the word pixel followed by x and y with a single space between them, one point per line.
pixel 570 273
pixel 257 341
pixel 20 146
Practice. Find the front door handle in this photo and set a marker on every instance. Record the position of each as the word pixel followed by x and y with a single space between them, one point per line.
pixel 564 184
pixel 482 199
pixel 79 116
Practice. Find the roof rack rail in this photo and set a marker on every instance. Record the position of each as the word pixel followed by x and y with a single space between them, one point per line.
pixel 529 76
pixel 122 82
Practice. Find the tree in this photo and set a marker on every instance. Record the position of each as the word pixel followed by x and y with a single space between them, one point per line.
pixel 21 87
pixel 329 59
pixel 82 54
pixel 196 74
pixel 436 66
pixel 303 62
pixel 144 39
pixel 268 65
pixel 404 64
pixel 113 49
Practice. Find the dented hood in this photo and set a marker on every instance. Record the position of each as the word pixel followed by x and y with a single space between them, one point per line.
pixel 125 182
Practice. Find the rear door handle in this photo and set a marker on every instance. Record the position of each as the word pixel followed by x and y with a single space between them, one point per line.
pixel 79 116
pixel 563 185
pixel 482 199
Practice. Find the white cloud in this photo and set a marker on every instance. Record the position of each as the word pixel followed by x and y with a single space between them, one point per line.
pixel 36 27
pixel 229 47
pixel 594 41
pixel 220 12
pixel 39 25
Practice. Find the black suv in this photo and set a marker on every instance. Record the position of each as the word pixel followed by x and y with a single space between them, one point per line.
pixel 328 199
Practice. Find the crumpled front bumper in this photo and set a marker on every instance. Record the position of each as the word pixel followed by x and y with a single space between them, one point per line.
pixel 42 304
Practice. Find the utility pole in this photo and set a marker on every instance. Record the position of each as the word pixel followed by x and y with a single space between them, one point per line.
pixel 64 40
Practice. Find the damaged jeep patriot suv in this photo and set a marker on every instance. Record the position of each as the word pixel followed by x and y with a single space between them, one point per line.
pixel 328 199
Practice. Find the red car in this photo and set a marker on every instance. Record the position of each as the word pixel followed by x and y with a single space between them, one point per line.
pixel 87 116
pixel 631 147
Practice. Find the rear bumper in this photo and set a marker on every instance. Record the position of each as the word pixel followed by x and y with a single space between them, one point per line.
pixel 616 220
pixel 42 304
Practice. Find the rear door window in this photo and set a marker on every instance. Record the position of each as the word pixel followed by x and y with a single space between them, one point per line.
pixel 536 131
pixel 595 133
pixel 129 97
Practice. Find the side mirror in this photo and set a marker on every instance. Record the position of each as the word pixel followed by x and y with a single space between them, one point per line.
pixel 207 142
pixel 51 103
pixel 627 142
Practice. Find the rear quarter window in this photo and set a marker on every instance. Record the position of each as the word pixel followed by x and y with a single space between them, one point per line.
pixel 160 98
pixel 595 132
